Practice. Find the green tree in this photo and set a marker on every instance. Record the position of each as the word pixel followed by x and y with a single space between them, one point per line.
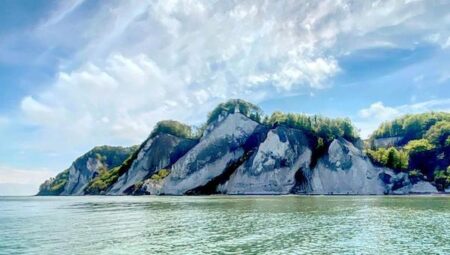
pixel 420 145
pixel 318 126
pixel 442 178
pixel 391 157
pixel 231 106
pixel 172 127
pixel 411 127
pixel 439 133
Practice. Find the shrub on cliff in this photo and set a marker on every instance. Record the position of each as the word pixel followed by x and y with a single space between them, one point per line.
pixel 54 186
pixel 442 178
pixel 420 145
pixel 391 157
pixel 321 127
pixel 107 177
pixel 161 174
pixel 231 106
pixel 172 127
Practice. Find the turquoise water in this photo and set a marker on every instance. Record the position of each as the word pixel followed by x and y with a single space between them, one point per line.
pixel 225 225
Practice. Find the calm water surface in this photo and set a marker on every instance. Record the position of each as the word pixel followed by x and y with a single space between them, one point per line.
pixel 225 225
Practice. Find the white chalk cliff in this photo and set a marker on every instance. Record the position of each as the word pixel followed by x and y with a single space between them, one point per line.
pixel 238 155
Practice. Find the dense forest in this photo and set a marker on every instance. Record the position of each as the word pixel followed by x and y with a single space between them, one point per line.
pixel 415 126
pixel 421 148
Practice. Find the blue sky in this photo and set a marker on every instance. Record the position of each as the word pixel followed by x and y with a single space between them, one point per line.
pixel 75 74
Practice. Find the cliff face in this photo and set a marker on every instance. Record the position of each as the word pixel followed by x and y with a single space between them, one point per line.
pixel 386 142
pixel 157 153
pixel 278 162
pixel 222 144
pixel 80 173
pixel 237 154
pixel 74 180
pixel 272 168
pixel 346 170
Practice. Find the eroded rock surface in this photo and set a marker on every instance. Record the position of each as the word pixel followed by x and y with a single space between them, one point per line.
pixel 88 166
pixel 237 155
pixel 158 152
pixel 223 144
pixel 272 169
pixel 345 170
pixel 387 141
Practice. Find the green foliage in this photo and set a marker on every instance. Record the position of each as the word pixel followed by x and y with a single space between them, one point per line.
pixel 439 133
pixel 410 127
pixel 391 157
pixel 420 145
pixel 111 156
pixel 161 174
pixel 415 173
pixel 106 178
pixel 231 106
pixel 174 128
pixel 102 181
pixel 320 144
pixel 316 126
pixel 100 157
pixel 421 134
pixel 442 178
pixel 54 186
pixel 325 128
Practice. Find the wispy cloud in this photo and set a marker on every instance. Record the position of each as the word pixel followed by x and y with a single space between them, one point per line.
pixel 379 112
pixel 135 63
pixel 64 9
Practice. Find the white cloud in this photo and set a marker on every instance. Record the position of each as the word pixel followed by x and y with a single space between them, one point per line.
pixel 124 98
pixel 371 117
pixel 379 111
pixel 137 62
pixel 37 112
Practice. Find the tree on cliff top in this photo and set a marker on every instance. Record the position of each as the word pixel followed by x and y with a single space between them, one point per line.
pixel 411 126
pixel 234 105
pixel 314 125
pixel 172 127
